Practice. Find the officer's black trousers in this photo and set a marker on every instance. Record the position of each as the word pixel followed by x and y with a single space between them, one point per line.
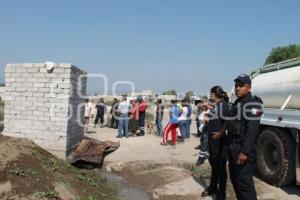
pixel 242 179
pixel 101 117
pixel 217 160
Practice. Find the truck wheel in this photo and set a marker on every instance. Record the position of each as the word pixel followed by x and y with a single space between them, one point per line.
pixel 275 154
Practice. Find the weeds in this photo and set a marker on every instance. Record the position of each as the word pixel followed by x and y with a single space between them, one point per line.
pixel 18 172
pixel 48 194
pixel 33 172
pixel 35 151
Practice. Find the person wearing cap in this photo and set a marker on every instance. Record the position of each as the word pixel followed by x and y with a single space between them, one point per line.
pixel 242 127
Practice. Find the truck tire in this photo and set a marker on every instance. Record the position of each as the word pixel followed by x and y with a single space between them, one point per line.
pixel 275 153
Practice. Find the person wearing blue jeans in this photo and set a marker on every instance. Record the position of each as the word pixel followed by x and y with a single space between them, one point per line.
pixel 189 118
pixel 159 118
pixel 123 125
pixel 123 109
pixel 183 126
pixel 183 121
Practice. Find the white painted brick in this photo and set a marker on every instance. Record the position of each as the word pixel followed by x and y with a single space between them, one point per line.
pixel 59 70
pixel 38 104
pixel 34 70
pixel 20 108
pixel 39 94
pixel 37 113
pixel 49 95
pixel 20 79
pixel 31 80
pixel 44 80
pixel 39 85
pixel 6 94
pixel 44 90
pixel 26 75
pixel 27 103
pixel 28 94
pixel 27 84
pixel 10 80
pixel 10 69
pixel 31 108
pixel 57 80
pixel 38 75
pixel 32 89
pixel 33 99
pixel 63 96
pixel 21 89
pixel 8 98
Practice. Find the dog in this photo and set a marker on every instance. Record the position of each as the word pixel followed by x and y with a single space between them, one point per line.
pixel 150 127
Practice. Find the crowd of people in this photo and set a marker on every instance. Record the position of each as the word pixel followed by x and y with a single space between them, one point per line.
pixel 126 116
pixel 227 132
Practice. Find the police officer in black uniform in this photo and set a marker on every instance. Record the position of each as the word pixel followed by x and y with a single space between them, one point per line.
pixel 242 129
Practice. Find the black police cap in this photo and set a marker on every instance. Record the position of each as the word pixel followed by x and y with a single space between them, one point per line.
pixel 243 78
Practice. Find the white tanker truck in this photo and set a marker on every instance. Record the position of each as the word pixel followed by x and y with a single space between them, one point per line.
pixel 278 149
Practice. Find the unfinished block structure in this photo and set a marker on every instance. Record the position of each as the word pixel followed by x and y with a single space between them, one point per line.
pixel 44 103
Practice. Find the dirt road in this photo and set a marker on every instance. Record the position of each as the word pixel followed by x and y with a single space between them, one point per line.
pixel 164 172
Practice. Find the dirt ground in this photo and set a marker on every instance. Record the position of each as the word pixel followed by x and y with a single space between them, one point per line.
pixel 166 172
pixel 30 173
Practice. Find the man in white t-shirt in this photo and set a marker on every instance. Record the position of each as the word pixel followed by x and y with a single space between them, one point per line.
pixel 123 111
pixel 87 114
pixel 183 123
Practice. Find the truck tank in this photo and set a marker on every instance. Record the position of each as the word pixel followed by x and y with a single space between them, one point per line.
pixel 278 85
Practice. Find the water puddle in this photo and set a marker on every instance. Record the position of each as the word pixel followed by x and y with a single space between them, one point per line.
pixel 127 192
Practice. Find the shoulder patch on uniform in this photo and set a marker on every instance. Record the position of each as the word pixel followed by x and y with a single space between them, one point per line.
pixel 254 111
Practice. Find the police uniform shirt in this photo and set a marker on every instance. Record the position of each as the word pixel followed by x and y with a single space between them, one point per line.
pixel 217 117
pixel 250 110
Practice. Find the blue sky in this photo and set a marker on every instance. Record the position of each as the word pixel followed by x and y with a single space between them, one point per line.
pixel 157 44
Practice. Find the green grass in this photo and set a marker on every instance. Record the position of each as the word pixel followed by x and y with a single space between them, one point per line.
pixel 48 194
pixel 201 172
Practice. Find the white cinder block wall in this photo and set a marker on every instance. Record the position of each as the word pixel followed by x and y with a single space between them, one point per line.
pixel 45 106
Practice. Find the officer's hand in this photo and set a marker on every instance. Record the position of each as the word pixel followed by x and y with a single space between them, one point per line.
pixel 242 159
pixel 216 135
